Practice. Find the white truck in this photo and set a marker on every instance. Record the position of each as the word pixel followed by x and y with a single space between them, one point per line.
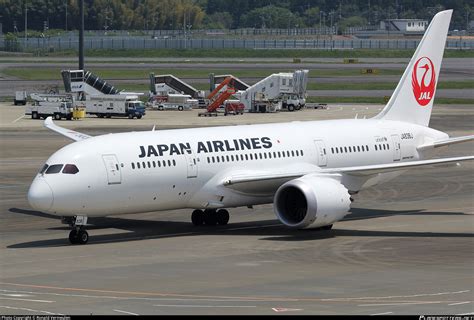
pixel 178 102
pixel 292 102
pixel 20 98
pixel 115 105
pixel 57 109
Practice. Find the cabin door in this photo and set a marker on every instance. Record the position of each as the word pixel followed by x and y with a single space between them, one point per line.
pixel 112 166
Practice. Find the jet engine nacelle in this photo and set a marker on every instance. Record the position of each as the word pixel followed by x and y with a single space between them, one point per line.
pixel 311 202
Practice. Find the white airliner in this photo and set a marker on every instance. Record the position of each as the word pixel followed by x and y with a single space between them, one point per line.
pixel 308 170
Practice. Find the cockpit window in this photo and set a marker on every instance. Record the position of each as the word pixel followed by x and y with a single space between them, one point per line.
pixel 70 169
pixel 55 168
pixel 44 168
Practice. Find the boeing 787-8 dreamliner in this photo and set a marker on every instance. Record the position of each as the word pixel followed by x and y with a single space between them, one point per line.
pixel 308 170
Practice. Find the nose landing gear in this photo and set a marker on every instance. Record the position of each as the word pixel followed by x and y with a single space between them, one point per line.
pixel 78 234
pixel 210 217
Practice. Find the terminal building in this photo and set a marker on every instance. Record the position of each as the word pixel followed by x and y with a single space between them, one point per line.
pixel 404 25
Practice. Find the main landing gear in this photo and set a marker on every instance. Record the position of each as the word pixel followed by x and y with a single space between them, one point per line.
pixel 210 217
pixel 78 234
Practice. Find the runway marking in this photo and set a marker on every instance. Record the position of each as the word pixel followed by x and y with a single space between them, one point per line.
pixel 399 304
pixel 255 227
pixel 393 297
pixel 31 310
pixel 256 299
pixel 130 298
pixel 30 300
pixel 198 306
pixel 381 314
pixel 18 118
pixel 149 237
pixel 458 303
pixel 126 312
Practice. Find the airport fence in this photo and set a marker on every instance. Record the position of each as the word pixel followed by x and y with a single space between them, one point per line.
pixel 123 43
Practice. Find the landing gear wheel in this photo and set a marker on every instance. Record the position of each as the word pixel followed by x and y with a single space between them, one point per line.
pixel 328 227
pixel 223 217
pixel 73 239
pixel 210 217
pixel 83 237
pixel 197 217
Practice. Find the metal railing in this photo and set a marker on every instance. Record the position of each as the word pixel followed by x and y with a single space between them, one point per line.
pixel 121 43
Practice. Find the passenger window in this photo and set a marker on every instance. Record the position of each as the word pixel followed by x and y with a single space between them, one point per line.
pixel 350 149
pixel 174 162
pixel 138 165
pixel 133 165
pixel 301 152
pixel 55 168
pixel 375 147
pixel 169 163
pixel 70 169
pixel 228 159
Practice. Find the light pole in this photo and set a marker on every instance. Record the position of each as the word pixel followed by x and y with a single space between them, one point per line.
pixel 26 24
pixel 321 13
pixel 65 25
pixel 332 15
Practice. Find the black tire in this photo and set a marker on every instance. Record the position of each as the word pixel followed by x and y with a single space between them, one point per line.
pixel 108 116
pixel 298 107
pixel 139 116
pixel 57 116
pixel 82 237
pixel 34 115
pixel 328 227
pixel 69 117
pixel 160 108
pixel 130 116
pixel 210 217
pixel 73 239
pixel 180 108
pixel 291 108
pixel 15 102
pixel 197 217
pixel 223 217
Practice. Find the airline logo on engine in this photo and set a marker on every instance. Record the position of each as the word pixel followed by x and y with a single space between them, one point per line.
pixel 423 81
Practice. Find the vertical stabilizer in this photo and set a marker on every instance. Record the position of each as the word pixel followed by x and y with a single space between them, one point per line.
pixel 412 100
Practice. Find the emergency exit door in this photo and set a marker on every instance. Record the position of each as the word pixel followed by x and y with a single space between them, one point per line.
pixel 192 164
pixel 112 166
pixel 397 150
pixel 321 153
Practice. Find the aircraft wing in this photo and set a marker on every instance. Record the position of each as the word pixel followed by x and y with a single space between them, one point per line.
pixel 71 134
pixel 446 142
pixel 265 182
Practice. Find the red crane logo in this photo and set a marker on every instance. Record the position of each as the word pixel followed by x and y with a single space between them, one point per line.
pixel 422 91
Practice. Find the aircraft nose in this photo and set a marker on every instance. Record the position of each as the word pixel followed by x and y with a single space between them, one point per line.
pixel 40 195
